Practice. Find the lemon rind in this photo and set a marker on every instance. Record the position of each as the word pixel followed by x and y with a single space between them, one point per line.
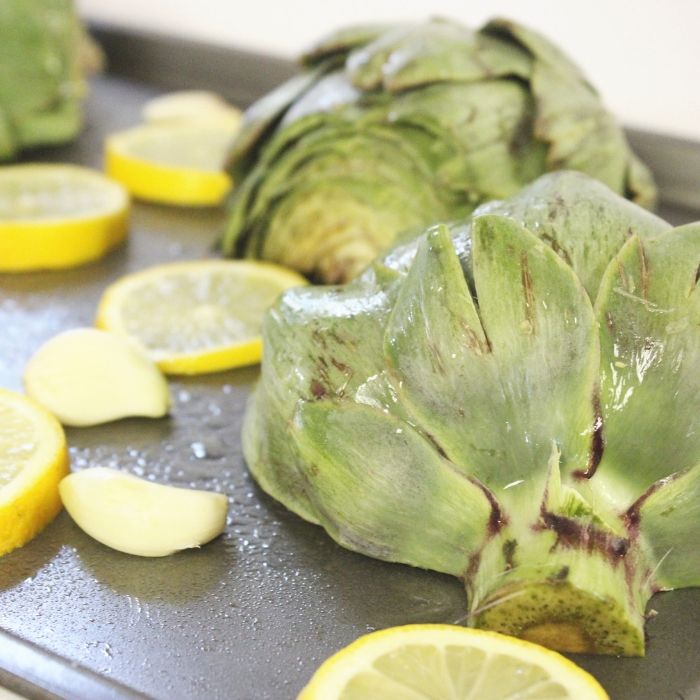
pixel 163 184
pixel 31 500
pixel 64 241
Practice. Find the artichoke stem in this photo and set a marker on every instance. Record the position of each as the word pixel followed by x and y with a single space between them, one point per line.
pixel 575 599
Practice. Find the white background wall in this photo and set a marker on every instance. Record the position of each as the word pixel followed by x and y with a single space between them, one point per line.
pixel 643 55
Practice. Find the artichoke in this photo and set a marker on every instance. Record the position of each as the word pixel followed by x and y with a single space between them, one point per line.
pixel 42 45
pixel 511 399
pixel 392 128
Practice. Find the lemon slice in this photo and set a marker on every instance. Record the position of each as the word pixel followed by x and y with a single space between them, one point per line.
pixel 198 316
pixel 419 662
pixel 58 215
pixel 179 163
pixel 33 460
pixel 190 105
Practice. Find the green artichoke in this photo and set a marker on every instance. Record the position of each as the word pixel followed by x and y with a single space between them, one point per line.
pixel 392 128
pixel 41 82
pixel 511 399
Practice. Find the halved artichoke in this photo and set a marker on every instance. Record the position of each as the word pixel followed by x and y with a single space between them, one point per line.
pixel 43 50
pixel 393 127
pixel 511 399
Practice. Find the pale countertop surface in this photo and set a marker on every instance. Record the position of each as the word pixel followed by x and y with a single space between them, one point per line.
pixel 644 58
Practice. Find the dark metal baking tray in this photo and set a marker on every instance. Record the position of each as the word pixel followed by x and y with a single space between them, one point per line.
pixel 252 614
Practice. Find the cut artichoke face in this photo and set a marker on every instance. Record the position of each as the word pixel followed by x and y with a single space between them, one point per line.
pixel 468 116
pixel 497 401
pixel 41 82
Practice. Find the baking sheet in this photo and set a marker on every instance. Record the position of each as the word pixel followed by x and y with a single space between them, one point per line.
pixel 252 614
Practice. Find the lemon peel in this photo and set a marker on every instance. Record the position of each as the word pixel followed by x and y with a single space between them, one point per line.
pixel 58 216
pixel 33 460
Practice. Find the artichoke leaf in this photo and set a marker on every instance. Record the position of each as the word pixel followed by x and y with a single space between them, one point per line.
pixel 272 457
pixel 451 53
pixel 640 183
pixel 541 330
pixel 580 219
pixel 474 115
pixel 493 385
pixel 489 170
pixel 360 214
pixel 330 94
pixel 435 349
pixel 263 115
pixel 649 316
pixel 668 517
pixel 541 49
pixel 571 119
pixel 342 152
pixel 338 350
pixel 50 126
pixel 580 133
pixel 326 362
pixel 388 494
pixel 41 76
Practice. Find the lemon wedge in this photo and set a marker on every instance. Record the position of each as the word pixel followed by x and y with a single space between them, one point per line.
pixel 137 516
pixel 180 162
pixel 190 105
pixel 85 376
pixel 33 460
pixel 58 215
pixel 447 661
pixel 198 316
